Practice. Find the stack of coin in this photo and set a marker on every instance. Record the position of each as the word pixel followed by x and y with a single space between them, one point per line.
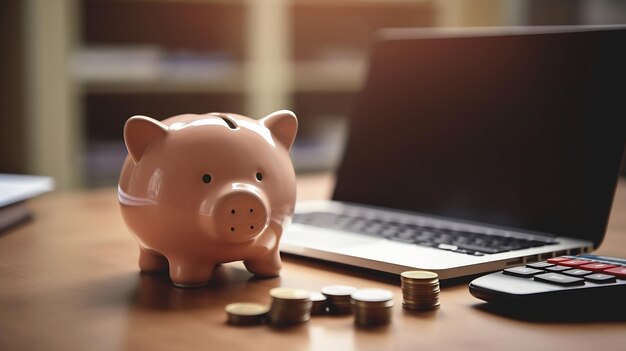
pixel 289 306
pixel 338 298
pixel 319 303
pixel 420 290
pixel 242 313
pixel 372 307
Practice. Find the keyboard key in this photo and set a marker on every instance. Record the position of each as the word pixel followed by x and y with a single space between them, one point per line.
pixel 619 272
pixel 574 263
pixel 557 259
pixel 559 279
pixel 557 268
pixel 600 278
pixel 540 265
pixel 523 272
pixel 577 272
pixel 596 266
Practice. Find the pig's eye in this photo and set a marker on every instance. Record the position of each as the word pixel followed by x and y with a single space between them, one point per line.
pixel 206 178
pixel 259 176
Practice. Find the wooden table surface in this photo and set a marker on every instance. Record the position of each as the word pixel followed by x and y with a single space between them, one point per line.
pixel 69 281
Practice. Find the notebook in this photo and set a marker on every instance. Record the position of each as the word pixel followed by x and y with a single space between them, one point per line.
pixel 472 150
pixel 15 190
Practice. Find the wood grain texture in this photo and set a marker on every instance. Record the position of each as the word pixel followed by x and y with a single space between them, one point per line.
pixel 69 281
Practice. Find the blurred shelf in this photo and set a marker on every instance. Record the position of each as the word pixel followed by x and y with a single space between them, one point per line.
pixel 136 69
pixel 306 77
pixel 359 2
pixel 344 75
pixel 232 84
pixel 323 30
pixel 102 162
pixel 166 57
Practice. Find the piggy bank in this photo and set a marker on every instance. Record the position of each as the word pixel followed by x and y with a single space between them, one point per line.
pixel 200 190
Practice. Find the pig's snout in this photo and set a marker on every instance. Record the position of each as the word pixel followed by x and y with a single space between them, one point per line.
pixel 240 214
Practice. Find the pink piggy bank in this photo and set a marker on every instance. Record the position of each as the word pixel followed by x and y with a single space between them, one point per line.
pixel 200 190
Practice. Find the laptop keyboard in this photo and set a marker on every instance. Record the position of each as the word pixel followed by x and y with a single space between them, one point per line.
pixel 464 242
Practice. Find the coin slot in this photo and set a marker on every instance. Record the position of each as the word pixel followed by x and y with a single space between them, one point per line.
pixel 229 122
pixel 232 211
pixel 232 229
pixel 251 210
pixel 251 227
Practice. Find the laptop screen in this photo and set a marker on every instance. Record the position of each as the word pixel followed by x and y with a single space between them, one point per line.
pixel 517 130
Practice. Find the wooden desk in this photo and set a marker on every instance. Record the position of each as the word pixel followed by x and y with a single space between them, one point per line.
pixel 69 281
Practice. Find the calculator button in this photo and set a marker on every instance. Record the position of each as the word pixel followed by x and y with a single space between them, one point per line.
pixel 600 278
pixel 574 263
pixel 596 266
pixel 559 279
pixel 523 272
pixel 577 272
pixel 557 259
pixel 540 265
pixel 619 272
pixel 558 268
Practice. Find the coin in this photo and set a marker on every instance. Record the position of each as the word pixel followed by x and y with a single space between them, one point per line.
pixel 338 290
pixel 420 290
pixel 289 306
pixel 338 298
pixel 419 275
pixel 372 307
pixel 243 313
pixel 319 303
pixel 290 294
pixel 372 297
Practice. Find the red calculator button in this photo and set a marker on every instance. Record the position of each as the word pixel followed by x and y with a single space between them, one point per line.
pixel 574 263
pixel 558 259
pixel 596 267
pixel 619 272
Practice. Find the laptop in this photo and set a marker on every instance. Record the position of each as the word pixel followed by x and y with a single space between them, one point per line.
pixel 470 151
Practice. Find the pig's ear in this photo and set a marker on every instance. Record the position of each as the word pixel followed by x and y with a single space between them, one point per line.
pixel 284 125
pixel 141 131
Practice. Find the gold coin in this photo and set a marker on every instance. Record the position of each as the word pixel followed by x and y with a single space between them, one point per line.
pixel 419 275
pixel 242 313
pixel 338 290
pixel 318 303
pixel 428 307
pixel 290 294
pixel 317 296
pixel 372 295
pixel 246 309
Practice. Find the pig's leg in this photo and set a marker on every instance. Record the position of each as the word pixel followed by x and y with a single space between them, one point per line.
pixel 190 274
pixel 266 266
pixel 150 262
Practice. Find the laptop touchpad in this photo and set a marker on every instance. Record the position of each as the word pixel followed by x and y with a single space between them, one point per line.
pixel 300 235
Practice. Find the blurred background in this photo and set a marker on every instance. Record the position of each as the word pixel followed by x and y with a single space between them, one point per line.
pixel 73 71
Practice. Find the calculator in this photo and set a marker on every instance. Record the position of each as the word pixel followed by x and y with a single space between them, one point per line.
pixel 565 281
